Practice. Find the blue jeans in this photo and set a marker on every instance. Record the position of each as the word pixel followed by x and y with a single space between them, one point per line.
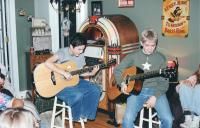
pixel 83 99
pixel 135 104
pixel 189 98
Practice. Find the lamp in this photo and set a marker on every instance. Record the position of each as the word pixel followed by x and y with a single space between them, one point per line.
pixel 68 1
pixel 66 4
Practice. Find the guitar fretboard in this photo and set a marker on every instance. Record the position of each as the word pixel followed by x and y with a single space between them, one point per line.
pixel 145 75
pixel 81 71
pixel 84 70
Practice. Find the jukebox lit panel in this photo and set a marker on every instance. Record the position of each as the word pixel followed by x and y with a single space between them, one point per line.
pixel 109 37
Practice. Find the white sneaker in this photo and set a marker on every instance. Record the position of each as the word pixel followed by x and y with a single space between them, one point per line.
pixel 83 119
pixel 195 122
pixel 187 123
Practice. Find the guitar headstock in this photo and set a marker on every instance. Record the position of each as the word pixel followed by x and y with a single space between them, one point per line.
pixel 169 72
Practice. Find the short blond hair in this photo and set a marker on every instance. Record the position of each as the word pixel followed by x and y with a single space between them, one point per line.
pixel 149 34
pixel 17 118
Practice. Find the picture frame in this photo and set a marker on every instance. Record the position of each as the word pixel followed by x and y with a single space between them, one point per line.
pixel 126 3
pixel 96 8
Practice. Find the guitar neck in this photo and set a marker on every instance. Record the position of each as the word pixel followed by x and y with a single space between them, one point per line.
pixel 145 75
pixel 84 70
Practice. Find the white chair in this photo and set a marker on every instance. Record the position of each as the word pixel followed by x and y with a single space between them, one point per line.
pixel 61 108
pixel 152 119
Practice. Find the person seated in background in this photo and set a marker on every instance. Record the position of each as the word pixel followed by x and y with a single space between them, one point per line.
pixel 189 93
pixel 17 118
pixel 7 99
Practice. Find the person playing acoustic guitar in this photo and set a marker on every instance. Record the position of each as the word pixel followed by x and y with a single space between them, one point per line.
pixel 83 97
pixel 153 89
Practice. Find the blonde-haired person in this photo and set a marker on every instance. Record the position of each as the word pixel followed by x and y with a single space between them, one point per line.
pixel 153 92
pixel 17 118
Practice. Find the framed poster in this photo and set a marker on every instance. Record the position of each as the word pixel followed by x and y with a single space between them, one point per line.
pixel 126 3
pixel 96 8
pixel 175 18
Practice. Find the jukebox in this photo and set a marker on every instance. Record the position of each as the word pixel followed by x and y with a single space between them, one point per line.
pixel 109 37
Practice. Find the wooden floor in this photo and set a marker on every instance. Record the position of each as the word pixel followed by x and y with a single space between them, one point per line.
pixel 101 121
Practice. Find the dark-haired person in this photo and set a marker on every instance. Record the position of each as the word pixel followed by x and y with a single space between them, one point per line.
pixel 84 97
pixel 189 92
pixel 154 89
pixel 7 96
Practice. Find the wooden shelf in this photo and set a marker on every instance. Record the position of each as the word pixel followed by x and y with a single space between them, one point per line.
pixel 37 59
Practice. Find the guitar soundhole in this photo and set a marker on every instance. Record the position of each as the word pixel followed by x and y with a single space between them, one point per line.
pixel 127 79
pixel 53 78
pixel 137 87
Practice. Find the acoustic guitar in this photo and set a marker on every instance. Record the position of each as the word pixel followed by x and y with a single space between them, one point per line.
pixel 49 83
pixel 134 77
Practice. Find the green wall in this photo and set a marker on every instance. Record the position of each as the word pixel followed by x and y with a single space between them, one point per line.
pixel 147 13
pixel 24 41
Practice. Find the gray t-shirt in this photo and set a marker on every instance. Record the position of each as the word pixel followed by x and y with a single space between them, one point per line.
pixel 64 55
